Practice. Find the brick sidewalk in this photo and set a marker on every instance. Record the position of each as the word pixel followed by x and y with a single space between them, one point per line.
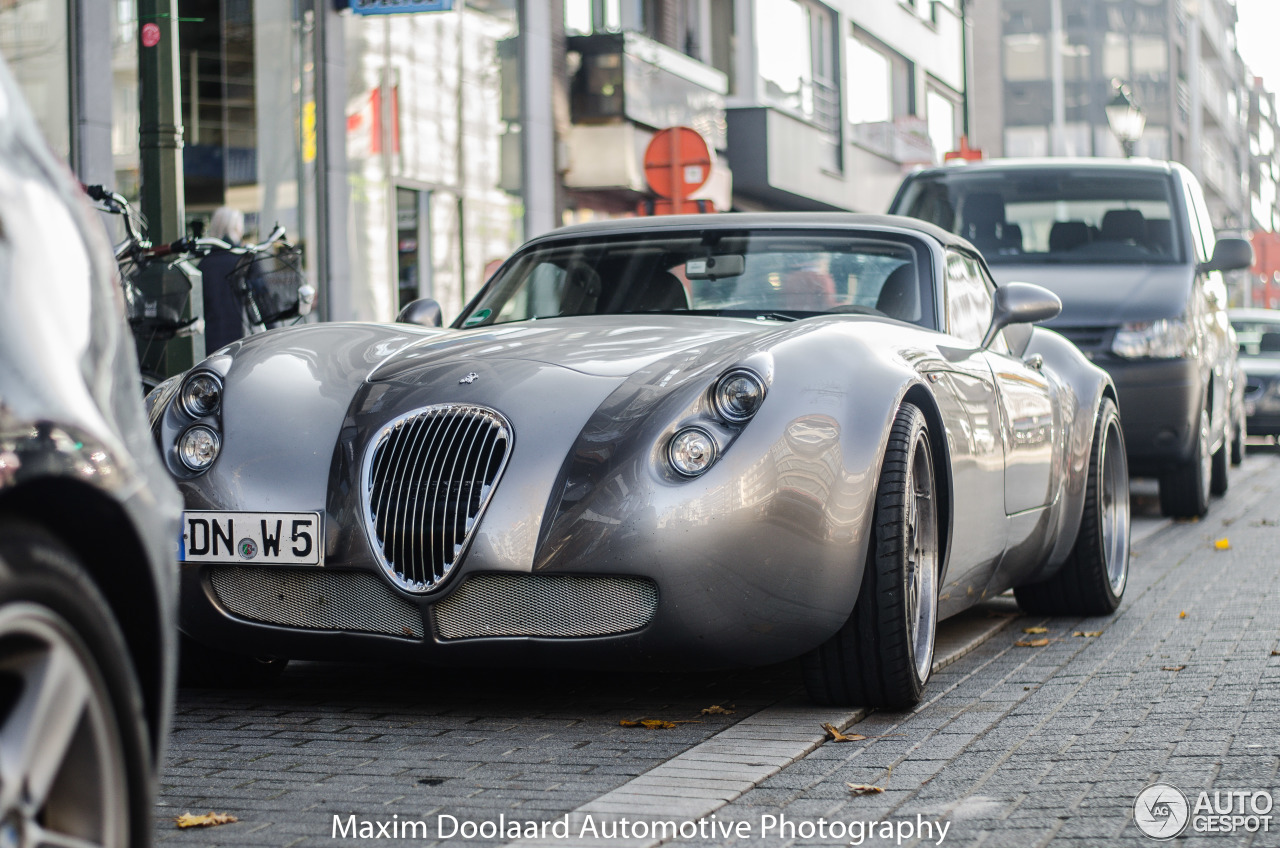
pixel 1023 747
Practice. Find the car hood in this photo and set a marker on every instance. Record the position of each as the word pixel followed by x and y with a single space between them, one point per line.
pixel 602 346
pixel 1107 295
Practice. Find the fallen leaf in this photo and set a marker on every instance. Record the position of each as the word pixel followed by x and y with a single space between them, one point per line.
pixel 1031 643
pixel 1223 544
pixel 1172 667
pixel 837 736
pixel 1035 630
pixel 1087 633
pixel 1275 653
pixel 864 789
pixel 406 631
pixel 1192 520
pixel 1182 614
pixel 209 819
pixel 654 723
pixel 716 709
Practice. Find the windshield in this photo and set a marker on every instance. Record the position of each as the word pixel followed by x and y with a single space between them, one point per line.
pixel 1028 215
pixel 1258 338
pixel 756 274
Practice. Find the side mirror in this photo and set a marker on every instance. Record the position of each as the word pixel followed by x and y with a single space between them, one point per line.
pixel 1020 303
pixel 424 312
pixel 1229 254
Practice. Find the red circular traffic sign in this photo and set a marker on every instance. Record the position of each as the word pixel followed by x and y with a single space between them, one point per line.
pixel 150 35
pixel 677 162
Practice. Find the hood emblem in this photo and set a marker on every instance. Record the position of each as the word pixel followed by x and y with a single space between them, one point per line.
pixel 470 378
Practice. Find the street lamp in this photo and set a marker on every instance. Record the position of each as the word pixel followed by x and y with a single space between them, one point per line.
pixel 1126 118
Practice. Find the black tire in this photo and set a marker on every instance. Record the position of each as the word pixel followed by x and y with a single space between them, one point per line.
pixel 883 655
pixel 203 667
pixel 1238 434
pixel 1093 579
pixel 1184 488
pixel 1218 481
pixel 71 700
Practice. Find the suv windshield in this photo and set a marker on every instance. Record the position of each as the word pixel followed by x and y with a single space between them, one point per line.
pixel 1028 215
pixel 759 273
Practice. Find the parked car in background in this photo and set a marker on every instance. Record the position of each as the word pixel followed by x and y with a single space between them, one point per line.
pixel 1258 334
pixel 88 521
pixel 1129 247
pixel 684 441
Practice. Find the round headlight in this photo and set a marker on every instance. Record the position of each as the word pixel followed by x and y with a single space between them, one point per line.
pixel 691 452
pixel 198 447
pixel 201 394
pixel 738 395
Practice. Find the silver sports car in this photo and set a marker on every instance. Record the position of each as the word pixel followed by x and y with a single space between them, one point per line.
pixel 705 440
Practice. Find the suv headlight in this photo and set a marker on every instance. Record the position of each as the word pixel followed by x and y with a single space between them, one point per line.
pixel 1167 338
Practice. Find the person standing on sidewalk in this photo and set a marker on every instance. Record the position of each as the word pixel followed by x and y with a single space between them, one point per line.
pixel 224 320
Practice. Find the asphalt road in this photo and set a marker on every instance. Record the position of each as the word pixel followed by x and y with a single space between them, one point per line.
pixel 1013 746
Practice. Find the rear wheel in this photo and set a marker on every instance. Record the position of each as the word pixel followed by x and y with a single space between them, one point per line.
pixel 77 766
pixel 883 655
pixel 1221 466
pixel 1238 433
pixel 1184 489
pixel 1092 580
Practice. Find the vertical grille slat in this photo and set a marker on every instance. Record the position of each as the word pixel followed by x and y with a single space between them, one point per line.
pixel 428 477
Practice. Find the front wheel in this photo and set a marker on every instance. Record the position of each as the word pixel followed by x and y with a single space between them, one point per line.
pixel 883 655
pixel 1184 488
pixel 77 766
pixel 1092 580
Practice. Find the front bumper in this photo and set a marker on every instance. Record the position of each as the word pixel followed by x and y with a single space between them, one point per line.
pixel 1160 404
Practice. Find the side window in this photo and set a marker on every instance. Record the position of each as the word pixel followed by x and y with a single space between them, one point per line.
pixel 538 298
pixel 968 299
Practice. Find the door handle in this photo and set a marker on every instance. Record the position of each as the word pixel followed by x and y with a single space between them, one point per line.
pixel 1035 361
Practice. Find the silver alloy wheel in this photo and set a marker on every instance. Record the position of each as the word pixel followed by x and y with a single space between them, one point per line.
pixel 1206 458
pixel 1114 473
pixel 922 557
pixel 63 780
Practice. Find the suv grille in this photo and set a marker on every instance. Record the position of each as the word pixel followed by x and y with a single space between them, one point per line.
pixel 427 479
pixel 1088 338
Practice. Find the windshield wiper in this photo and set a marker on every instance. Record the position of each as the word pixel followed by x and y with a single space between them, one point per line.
pixel 776 316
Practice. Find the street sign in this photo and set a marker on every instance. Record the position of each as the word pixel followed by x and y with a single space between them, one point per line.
pixel 677 162
pixel 399 7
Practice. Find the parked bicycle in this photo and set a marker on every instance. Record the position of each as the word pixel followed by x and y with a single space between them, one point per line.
pixel 157 282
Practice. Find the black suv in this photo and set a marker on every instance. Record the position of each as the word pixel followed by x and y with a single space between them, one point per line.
pixel 1128 246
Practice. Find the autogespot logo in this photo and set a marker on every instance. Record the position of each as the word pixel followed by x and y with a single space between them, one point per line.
pixel 1161 811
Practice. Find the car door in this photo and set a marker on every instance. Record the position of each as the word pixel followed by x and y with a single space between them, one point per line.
pixel 965 388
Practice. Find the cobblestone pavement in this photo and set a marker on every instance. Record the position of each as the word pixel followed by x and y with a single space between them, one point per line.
pixel 1014 746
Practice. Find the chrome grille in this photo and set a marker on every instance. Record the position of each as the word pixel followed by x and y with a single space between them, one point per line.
pixel 546 605
pixel 427 479
pixel 316 600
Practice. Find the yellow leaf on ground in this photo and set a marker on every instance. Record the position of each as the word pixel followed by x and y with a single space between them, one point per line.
pixel 716 709
pixel 864 789
pixel 1031 643
pixel 1035 630
pixel 1087 633
pixel 209 819
pixel 1223 544
pixel 1182 614
pixel 837 736
pixel 653 723
pixel 1172 667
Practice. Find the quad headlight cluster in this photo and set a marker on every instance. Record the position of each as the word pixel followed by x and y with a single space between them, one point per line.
pixel 736 397
pixel 201 398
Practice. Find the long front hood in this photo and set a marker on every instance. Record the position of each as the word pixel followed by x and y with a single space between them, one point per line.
pixel 604 346
pixel 1107 295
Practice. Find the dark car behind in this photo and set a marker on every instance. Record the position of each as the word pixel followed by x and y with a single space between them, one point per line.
pixel 88 522
pixel 1258 333
pixel 1129 248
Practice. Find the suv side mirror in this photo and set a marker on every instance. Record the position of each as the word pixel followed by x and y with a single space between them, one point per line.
pixel 424 312
pixel 1020 303
pixel 1229 254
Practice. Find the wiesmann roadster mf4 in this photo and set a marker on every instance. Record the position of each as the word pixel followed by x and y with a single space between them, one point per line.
pixel 708 440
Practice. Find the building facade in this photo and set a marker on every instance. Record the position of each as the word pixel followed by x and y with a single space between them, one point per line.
pixel 408 153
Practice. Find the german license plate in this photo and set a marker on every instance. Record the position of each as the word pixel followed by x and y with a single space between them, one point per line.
pixel 273 538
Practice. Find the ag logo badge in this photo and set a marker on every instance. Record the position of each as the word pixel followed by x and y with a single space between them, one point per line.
pixel 1161 811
